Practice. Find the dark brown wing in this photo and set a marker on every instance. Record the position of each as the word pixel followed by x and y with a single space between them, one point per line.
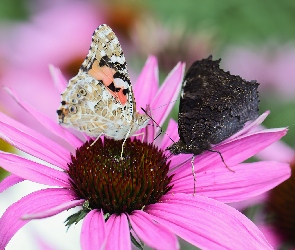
pixel 214 105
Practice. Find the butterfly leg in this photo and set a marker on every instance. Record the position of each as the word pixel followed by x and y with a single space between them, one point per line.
pixel 216 151
pixel 194 174
pixel 96 140
pixel 127 135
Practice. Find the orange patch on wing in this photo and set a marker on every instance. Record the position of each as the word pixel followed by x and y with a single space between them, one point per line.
pixel 104 74
pixel 122 98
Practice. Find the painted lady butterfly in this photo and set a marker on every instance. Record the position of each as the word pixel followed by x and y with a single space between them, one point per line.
pixel 99 100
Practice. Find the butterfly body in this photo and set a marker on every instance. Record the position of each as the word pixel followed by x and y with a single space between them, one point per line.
pixel 99 100
pixel 213 106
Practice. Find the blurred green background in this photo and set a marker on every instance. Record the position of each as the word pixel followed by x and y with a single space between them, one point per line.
pixel 234 21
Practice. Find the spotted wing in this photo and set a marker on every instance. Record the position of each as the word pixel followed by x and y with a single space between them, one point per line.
pixel 99 100
pixel 214 104
pixel 90 108
pixel 106 63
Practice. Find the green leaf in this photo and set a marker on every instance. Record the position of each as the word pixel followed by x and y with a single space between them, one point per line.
pixel 80 215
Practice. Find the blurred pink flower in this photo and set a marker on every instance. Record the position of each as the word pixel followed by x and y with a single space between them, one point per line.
pixel 280 210
pixel 273 238
pixel 272 66
pixel 4 146
pixel 170 45
pixel 201 219
pixel 57 34
pixel 278 151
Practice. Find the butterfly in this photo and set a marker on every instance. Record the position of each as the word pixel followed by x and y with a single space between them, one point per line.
pixel 213 106
pixel 99 100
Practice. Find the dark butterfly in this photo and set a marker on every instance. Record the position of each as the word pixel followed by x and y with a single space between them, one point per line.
pixel 213 106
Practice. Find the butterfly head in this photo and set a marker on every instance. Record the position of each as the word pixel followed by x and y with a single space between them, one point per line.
pixel 142 120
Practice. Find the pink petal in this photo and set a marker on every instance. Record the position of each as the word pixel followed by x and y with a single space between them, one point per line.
pixel 250 145
pixel 58 79
pixel 248 180
pixel 233 152
pixel 170 135
pixel 41 200
pixel 145 89
pixel 47 122
pixel 182 162
pixel 93 235
pixel 147 83
pixel 278 151
pixel 53 211
pixel 86 137
pixel 118 233
pixel 42 244
pixel 250 126
pixel 275 239
pixel 32 142
pixel 167 94
pixel 9 181
pixel 153 234
pixel 33 171
pixel 206 223
pixel 149 132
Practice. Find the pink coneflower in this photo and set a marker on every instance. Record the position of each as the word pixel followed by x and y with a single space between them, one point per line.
pixel 144 198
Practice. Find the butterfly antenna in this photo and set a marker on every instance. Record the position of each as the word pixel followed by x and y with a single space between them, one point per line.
pixel 216 151
pixel 165 104
pixel 162 131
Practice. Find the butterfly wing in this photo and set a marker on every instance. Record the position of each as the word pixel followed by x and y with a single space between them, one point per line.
pixel 214 105
pixel 106 63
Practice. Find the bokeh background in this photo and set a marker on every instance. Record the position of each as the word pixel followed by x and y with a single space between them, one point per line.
pixel 254 38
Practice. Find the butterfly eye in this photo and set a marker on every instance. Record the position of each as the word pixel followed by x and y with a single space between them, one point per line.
pixel 73 109
pixel 82 92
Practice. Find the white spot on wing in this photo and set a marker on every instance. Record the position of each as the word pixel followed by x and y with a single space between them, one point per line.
pixel 118 59
pixel 120 83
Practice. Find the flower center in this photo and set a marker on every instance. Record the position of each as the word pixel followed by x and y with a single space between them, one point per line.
pixel 116 185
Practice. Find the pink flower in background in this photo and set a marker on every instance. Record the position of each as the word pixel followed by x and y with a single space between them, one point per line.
pixel 60 35
pixel 161 203
pixel 271 236
pixel 272 66
pixel 275 216
pixel 170 45
pixel 279 212
pixel 279 151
